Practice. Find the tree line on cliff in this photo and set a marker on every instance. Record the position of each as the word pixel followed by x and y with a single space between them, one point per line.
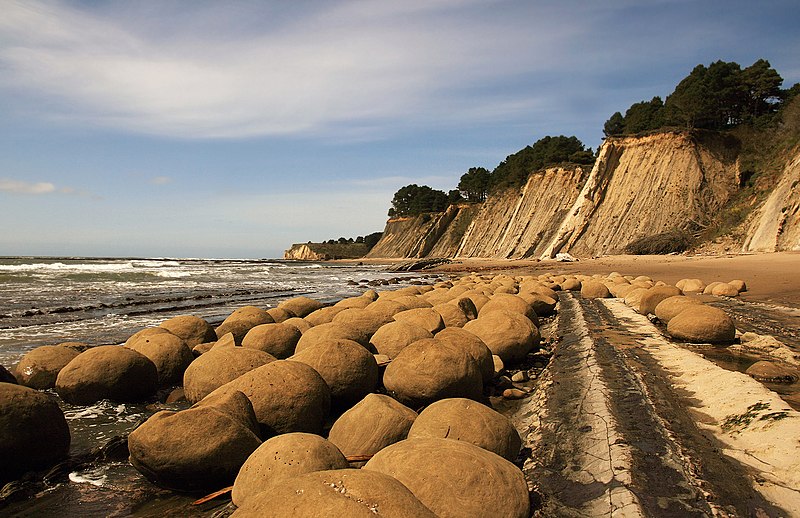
pixel 722 96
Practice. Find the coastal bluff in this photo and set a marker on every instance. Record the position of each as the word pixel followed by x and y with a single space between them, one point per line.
pixel 325 251
pixel 638 188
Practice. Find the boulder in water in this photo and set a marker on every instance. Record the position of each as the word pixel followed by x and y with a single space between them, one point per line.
pixel 39 367
pixel 217 367
pixel 191 329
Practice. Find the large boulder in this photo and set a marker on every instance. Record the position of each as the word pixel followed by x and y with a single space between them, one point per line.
pixel 467 420
pixel 371 425
pixel 508 334
pixel 191 329
pixel 169 354
pixel 39 367
pixel 351 493
pixel 279 340
pixel 772 372
pixel 393 337
pixel 594 289
pixel 243 320
pixel 474 346
pixel 279 315
pixel 654 295
pixel 287 396
pixel 691 285
pixel 455 478
pixel 350 370
pixel 725 289
pixel 281 457
pixel 364 321
pixel 426 318
pixel 429 370
pixel 217 367
pixel 142 333
pixel 300 306
pixel 331 331
pixel 702 324
pixel 509 302
pixel 33 431
pixel 107 372
pixel 198 449
pixel 325 315
pixel 671 306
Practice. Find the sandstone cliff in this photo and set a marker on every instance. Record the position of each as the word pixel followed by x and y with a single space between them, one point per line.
pixel 638 187
pixel 776 224
pixel 325 251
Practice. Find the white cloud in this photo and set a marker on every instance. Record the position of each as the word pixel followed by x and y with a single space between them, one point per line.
pixel 21 187
pixel 160 180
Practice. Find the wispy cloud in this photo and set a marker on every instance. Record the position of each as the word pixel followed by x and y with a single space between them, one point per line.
pixel 21 187
pixel 160 180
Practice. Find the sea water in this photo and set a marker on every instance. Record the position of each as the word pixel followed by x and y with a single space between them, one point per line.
pixel 45 301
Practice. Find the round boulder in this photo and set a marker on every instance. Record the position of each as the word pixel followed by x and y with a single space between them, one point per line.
pixel 348 368
pixel 279 340
pixel 691 285
pixel 39 367
pixel 426 318
pixel 243 320
pixel 325 315
pixel 508 302
pixel 654 295
pixel 593 289
pixel 191 329
pixel 671 306
pixel 168 353
pixel 283 457
pixel 365 322
pixel 330 331
pixel 107 372
pixel 429 370
pixel 198 449
pixel 287 396
pixel 351 493
pixel 771 372
pixel 474 346
pixel 300 306
pixel 217 367
pixel 702 324
pixel 371 425
pixel 508 334
pixel 470 421
pixel 391 338
pixel 33 431
pixel 455 478
pixel 724 289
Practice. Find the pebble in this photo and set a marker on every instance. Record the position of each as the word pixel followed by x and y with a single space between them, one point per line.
pixel 520 377
pixel 514 393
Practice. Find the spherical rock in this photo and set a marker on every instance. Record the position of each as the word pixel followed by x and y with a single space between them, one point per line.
pixel 739 284
pixel 33 431
pixel 371 425
pixel 571 285
pixel 191 329
pixel 772 372
pixel 300 324
pixel 710 287
pixel 351 493
pixel 452 315
pixel 391 338
pixel 364 321
pixel 427 318
pixel 508 334
pixel 331 331
pixel 508 302
pixel 654 295
pixel 283 457
pixel 542 305
pixel 279 315
pixel 279 340
pixel 594 290
pixel 702 324
pixel 217 367
pixel 39 367
pixel 287 396
pixel 324 315
pixel 724 289
pixel 428 370
pixel 455 478
pixel 107 372
pixel 300 306
pixel 633 298
pixel 691 285
pixel 168 353
pixel 473 345
pixel 348 368
pixel 147 331
pixel 671 306
pixel 386 309
pixel 198 449
pixel 354 302
pixel 470 421
pixel 243 320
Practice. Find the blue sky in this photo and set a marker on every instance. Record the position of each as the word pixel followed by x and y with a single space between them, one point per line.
pixel 233 129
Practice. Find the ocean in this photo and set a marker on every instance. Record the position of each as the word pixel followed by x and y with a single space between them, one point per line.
pixel 45 301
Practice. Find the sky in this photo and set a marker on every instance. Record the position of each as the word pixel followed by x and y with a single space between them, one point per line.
pixel 191 128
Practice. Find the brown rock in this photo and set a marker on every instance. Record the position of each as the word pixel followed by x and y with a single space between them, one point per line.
pixel 324 315
pixel 300 324
pixel 364 321
pixel 348 368
pixel 300 306
pixel 691 285
pixel 391 338
pixel 429 370
pixel 147 331
pixel 470 421
pixel 654 295
pixel 33 431
pixel 279 314
pixel 739 284
pixel 508 334
pixel 279 340
pixel 168 353
pixel 724 289
pixel 473 345
pixel 427 318
pixel 513 393
pixel 371 425
pixel 593 289
pixel 508 302
pixel 331 331
pixel 702 324
pixel 107 372
pixel 469 481
pixel 671 306
pixel 771 372
pixel 39 367
pixel 191 329
pixel 243 320
pixel 351 493
pixel 281 457
pixel 219 366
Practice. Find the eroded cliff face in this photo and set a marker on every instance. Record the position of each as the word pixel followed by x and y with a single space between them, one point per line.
pixel 776 224
pixel 638 187
pixel 325 251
